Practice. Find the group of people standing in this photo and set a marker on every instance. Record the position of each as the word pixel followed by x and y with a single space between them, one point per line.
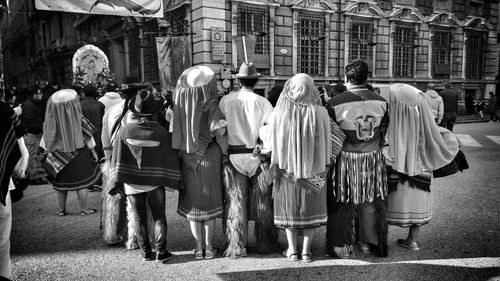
pixel 357 163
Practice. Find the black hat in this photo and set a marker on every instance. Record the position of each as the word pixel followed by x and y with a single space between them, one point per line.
pixel 145 104
pixel 131 86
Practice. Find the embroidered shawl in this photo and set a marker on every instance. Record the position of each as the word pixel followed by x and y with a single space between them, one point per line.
pixel 135 164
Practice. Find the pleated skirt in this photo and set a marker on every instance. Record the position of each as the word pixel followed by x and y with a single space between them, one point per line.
pixel 298 207
pixel 201 197
pixel 80 173
pixel 408 206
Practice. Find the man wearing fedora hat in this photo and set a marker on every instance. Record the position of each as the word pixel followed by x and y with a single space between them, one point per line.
pixel 245 113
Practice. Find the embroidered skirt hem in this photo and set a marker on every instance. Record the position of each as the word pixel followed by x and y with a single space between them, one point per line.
pixel 199 215
pixel 408 206
pixel 80 173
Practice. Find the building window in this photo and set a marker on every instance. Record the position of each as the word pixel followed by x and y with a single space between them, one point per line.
pixel 255 21
pixel 441 45
pixel 403 51
pixel 474 55
pixel 475 8
pixel 311 44
pixel 361 40
pixel 177 19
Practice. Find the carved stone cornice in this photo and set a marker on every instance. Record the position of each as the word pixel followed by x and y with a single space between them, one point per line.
pixel 406 15
pixel 364 9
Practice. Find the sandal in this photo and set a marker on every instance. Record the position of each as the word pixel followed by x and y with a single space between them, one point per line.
pixel 292 256
pixel 87 212
pixel 61 213
pixel 209 254
pixel 410 246
pixel 198 254
pixel 306 258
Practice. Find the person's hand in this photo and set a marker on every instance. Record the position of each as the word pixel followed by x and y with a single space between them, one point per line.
pixel 93 155
pixel 18 110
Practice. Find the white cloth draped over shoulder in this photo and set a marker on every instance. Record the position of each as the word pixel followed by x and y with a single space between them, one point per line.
pixel 300 134
pixel 416 143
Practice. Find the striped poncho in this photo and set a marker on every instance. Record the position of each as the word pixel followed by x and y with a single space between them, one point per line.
pixel 145 165
pixel 10 131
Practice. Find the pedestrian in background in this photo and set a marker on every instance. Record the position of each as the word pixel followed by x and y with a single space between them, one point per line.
pixel 111 96
pixel 13 161
pixel 300 149
pixel 93 110
pixel 197 120
pixel 323 95
pixel 435 103
pixel 450 102
pixel 492 107
pixel 415 147
pixel 274 94
pixel 469 103
pixel 32 118
pixel 480 107
pixel 144 161
pixel 335 89
pixel 71 160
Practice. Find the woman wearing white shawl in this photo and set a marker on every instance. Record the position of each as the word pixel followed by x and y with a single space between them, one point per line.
pixel 416 147
pixel 300 146
pixel 200 144
pixel 70 146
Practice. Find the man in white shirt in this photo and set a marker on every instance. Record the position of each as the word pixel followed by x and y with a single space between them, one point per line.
pixel 245 113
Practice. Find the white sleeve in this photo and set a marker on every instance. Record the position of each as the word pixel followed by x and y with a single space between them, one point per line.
pixel 266 134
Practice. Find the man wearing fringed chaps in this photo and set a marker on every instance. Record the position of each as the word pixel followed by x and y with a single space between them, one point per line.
pixel 357 185
pixel 248 195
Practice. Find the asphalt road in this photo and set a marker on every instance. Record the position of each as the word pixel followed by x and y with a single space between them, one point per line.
pixel 462 242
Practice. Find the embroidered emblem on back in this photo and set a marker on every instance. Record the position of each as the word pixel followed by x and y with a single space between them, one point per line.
pixel 365 127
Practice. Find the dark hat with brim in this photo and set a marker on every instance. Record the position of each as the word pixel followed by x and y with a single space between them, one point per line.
pixel 131 89
pixel 247 71
pixel 145 104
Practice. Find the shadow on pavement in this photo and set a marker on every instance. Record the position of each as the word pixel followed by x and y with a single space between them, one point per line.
pixel 369 272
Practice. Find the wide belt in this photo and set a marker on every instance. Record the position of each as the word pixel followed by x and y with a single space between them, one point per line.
pixel 239 149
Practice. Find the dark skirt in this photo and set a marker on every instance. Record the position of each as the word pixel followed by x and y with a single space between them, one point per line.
pixel 296 206
pixel 200 199
pixel 80 173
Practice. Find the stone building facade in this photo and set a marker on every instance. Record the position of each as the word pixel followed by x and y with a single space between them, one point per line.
pixel 409 41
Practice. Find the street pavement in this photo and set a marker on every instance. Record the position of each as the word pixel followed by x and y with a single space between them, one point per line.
pixel 462 241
